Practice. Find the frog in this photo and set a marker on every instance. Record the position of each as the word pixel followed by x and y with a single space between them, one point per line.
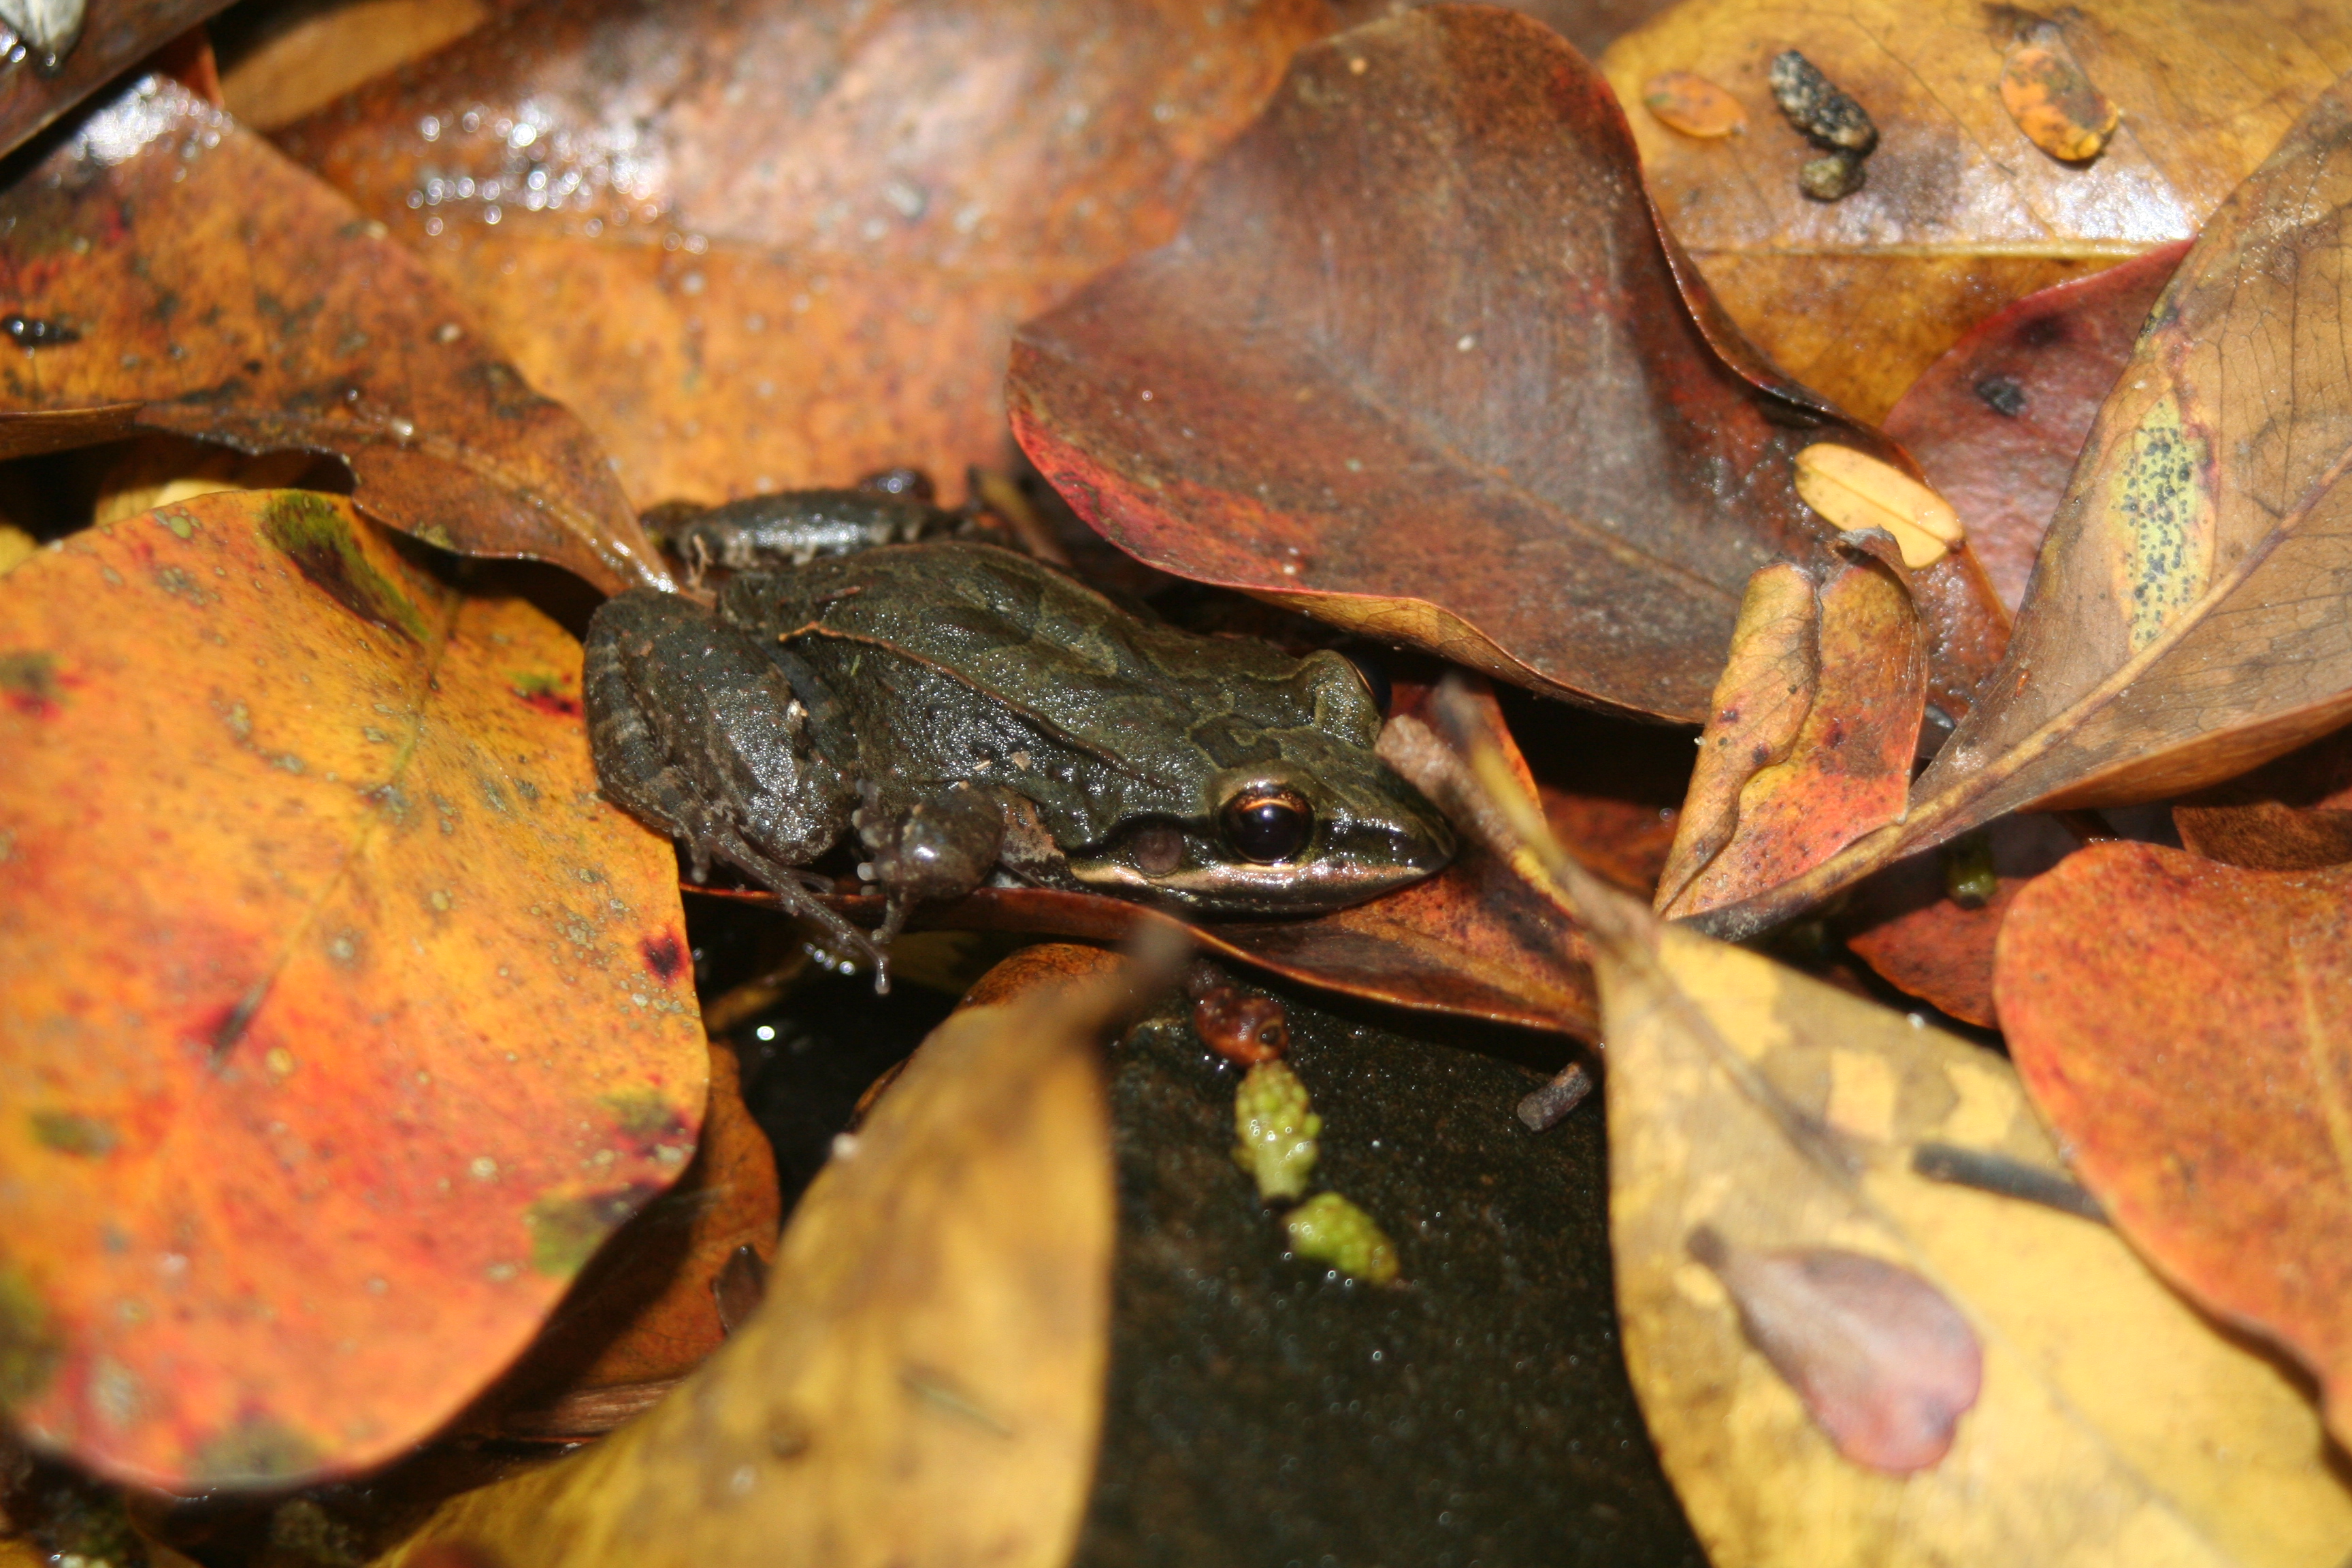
pixel 967 715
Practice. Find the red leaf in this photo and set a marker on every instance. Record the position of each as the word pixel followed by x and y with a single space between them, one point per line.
pixel 1998 422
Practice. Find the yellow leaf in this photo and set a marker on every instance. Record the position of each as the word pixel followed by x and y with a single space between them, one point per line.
pixel 2114 1423
pixel 922 1383
pixel 1855 490
pixel 1754 1110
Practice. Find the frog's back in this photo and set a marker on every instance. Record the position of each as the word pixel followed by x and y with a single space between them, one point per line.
pixel 1159 699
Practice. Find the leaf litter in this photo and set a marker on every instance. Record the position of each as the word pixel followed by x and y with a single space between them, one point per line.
pixel 1885 1306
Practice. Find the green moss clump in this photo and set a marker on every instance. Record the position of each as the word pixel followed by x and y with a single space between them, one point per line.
pixel 1277 1126
pixel 1330 1229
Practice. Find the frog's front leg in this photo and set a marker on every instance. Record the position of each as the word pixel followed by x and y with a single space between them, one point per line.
pixel 700 731
pixel 928 847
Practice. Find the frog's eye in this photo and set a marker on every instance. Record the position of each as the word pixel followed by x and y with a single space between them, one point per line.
pixel 1267 825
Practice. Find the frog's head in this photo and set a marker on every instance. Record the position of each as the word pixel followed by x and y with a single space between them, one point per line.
pixel 1293 815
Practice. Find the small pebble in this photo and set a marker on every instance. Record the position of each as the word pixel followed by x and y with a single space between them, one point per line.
pixel 1825 116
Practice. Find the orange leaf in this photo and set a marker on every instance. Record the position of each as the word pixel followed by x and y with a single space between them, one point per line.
pixel 2291 814
pixel 766 244
pixel 646 1311
pixel 1905 923
pixel 340 1019
pixel 2183 1024
pixel 195 281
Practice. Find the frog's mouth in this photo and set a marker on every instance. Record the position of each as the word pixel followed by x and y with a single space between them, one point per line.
pixel 1348 863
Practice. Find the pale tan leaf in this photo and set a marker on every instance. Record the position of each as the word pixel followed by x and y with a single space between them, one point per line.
pixel 923 1383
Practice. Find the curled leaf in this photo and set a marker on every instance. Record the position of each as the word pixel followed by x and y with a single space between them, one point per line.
pixel 216 290
pixel 2185 621
pixel 336 1009
pixel 2181 1025
pixel 1811 741
pixel 1343 386
pixel 1768 1106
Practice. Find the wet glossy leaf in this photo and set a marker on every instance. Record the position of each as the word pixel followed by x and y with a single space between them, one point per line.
pixel 1781 1114
pixel 115 36
pixel 1815 722
pixel 2293 815
pixel 1419 365
pixel 2182 1026
pixel 777 244
pixel 923 1383
pixel 1910 925
pixel 2188 613
pixel 1961 213
pixel 208 287
pixel 647 1309
pixel 1997 423
pixel 339 1020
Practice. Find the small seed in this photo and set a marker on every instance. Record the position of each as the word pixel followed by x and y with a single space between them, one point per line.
pixel 1687 102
